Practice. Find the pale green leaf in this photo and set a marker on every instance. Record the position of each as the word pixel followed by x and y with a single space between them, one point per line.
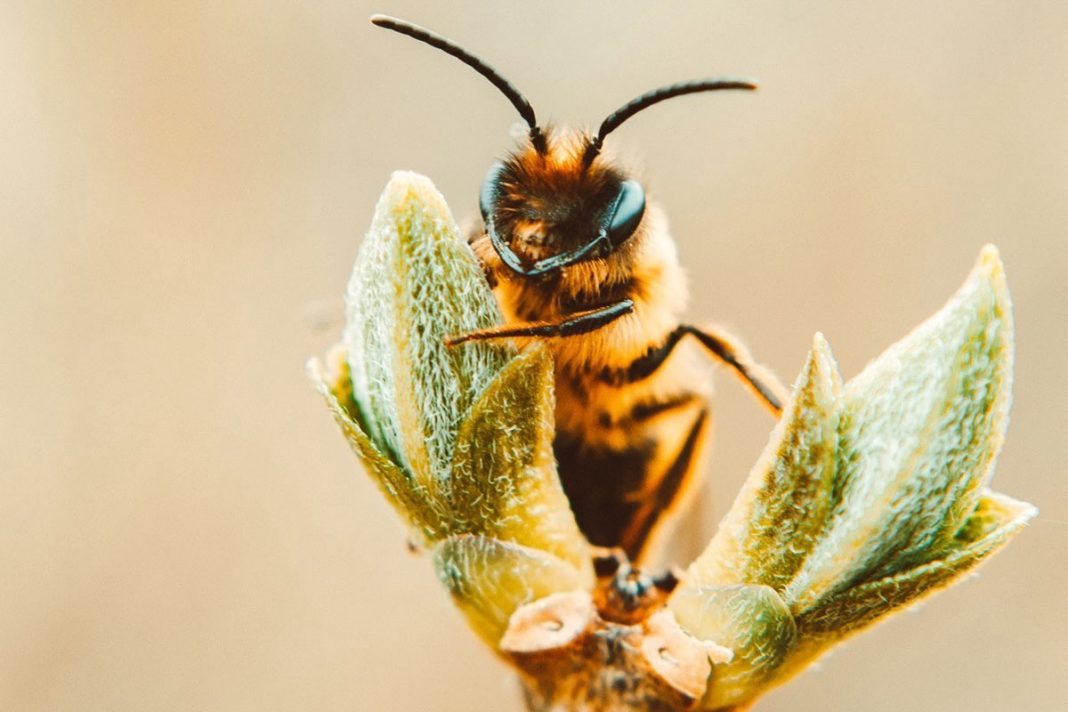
pixel 503 481
pixel 996 520
pixel 413 502
pixel 460 437
pixel 919 430
pixel 753 621
pixel 416 283
pixel 489 579
pixel 869 496
pixel 777 518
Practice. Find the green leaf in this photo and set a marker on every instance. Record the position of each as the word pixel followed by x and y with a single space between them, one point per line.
pixel 503 481
pixel 413 502
pixel 459 439
pixel 996 520
pixel 777 518
pixel 469 429
pixel 753 621
pixel 918 434
pixel 489 579
pixel 868 496
pixel 416 283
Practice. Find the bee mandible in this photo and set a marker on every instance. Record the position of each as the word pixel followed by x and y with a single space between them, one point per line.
pixel 577 256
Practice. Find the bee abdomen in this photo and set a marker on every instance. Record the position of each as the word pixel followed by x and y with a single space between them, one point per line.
pixel 646 410
pixel 619 495
pixel 602 484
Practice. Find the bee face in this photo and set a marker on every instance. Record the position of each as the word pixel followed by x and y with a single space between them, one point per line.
pixel 552 205
pixel 548 209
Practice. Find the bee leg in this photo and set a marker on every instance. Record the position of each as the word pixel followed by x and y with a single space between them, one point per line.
pixel 669 490
pixel 478 241
pixel 764 383
pixel 579 323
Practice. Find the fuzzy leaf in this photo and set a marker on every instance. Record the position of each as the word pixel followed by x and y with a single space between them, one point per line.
pixel 413 502
pixel 414 284
pixel 489 579
pixel 503 482
pixel 753 621
pixel 781 511
pixel 459 439
pixel 868 495
pixel 469 427
pixel 919 430
pixel 996 520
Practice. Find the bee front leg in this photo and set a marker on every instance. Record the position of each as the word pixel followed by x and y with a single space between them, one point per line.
pixel 579 323
pixel 479 242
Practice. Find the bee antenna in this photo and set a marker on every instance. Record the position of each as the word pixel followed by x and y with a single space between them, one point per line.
pixel 507 88
pixel 656 96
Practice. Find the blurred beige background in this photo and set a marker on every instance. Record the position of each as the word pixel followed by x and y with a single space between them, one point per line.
pixel 184 187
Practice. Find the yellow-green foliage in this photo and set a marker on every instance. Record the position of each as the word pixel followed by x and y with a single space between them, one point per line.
pixel 490 578
pixel 869 494
pixel 459 440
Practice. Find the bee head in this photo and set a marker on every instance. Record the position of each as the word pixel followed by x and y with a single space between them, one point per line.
pixel 553 203
pixel 546 209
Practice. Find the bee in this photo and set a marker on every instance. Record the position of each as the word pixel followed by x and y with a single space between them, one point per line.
pixel 577 256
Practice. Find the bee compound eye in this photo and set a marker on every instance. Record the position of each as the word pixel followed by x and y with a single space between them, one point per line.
pixel 629 208
pixel 488 195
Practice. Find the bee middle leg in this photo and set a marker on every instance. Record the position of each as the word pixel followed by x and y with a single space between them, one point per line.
pixel 723 347
pixel 763 382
